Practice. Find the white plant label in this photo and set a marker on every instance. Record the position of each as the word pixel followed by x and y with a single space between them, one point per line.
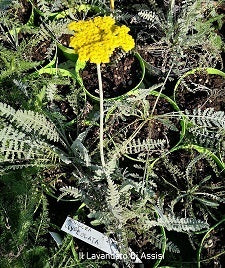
pixel 94 238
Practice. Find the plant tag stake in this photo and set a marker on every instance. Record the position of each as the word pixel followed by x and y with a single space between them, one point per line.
pixel 95 238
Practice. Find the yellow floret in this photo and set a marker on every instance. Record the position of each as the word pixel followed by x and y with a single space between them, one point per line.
pixel 96 39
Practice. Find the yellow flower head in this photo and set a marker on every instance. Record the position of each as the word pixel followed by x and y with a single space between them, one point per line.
pixel 96 39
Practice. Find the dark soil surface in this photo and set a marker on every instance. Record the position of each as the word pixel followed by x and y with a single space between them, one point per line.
pixel 39 52
pixel 23 13
pixel 201 90
pixel 64 39
pixel 118 77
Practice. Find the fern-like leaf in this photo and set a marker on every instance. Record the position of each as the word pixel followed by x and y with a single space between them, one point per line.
pixel 158 241
pixel 16 145
pixel 172 223
pixel 205 137
pixel 207 118
pixel 51 90
pixel 80 150
pixel 113 196
pixel 71 191
pixel 137 146
pixel 148 15
pixel 30 121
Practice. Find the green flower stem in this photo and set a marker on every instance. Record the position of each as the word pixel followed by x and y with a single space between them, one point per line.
pixel 101 115
pixel 112 5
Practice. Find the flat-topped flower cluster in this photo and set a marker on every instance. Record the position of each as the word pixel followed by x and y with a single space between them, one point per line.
pixel 96 39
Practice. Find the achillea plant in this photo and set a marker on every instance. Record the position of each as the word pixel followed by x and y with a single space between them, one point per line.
pixel 95 40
